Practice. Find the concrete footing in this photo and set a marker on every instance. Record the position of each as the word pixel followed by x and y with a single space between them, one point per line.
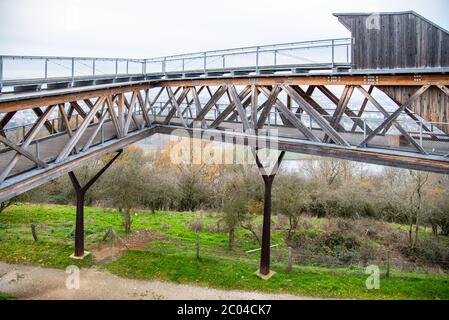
pixel 265 277
pixel 86 253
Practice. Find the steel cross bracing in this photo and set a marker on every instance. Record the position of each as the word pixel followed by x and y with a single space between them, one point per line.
pixel 68 129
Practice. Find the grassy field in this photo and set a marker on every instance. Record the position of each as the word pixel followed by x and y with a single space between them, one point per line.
pixel 169 254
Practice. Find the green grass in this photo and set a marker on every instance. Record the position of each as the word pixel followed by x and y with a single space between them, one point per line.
pixel 4 297
pixel 173 259
pixel 228 273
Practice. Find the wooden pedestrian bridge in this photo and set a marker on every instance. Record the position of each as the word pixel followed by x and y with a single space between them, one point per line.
pixel 380 96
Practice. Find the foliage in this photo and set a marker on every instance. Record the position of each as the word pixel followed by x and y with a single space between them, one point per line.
pixel 172 255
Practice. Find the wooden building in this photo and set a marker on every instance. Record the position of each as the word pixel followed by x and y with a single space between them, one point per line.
pixel 406 41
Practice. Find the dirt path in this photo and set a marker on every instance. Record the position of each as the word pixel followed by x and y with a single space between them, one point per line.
pixel 27 282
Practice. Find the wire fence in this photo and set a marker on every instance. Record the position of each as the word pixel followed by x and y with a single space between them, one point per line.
pixel 281 255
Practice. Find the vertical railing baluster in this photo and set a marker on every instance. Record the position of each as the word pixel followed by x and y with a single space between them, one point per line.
pixel 205 63
pixel 37 149
pixel 116 68
pixel 364 129
pixel 257 60
pixel 420 132
pixel 73 70
pixel 93 67
pixel 1 73
pixel 333 53
pixel 46 68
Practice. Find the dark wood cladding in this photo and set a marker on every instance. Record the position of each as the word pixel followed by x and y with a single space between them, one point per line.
pixel 433 105
pixel 396 40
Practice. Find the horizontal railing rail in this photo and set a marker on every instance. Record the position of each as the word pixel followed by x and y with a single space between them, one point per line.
pixel 48 68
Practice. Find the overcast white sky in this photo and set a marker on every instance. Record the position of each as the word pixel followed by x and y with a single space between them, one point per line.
pixel 143 29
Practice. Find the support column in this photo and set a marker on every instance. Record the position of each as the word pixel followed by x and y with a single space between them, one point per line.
pixel 80 195
pixel 264 269
pixel 266 229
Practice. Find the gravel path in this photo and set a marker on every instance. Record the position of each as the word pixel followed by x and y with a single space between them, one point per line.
pixel 28 282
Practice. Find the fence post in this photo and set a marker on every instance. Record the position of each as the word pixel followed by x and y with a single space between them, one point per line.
pixel 387 274
pixel 116 68
pixel 34 233
pixel 290 259
pixel 205 62
pixel 93 67
pixel 197 245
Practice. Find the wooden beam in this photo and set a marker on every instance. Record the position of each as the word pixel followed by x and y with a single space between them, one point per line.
pixel 357 121
pixel 176 106
pixel 80 131
pixel 323 124
pixel 5 120
pixel 391 119
pixel 231 108
pixel 267 106
pixel 238 104
pixel 29 138
pixel 47 123
pixel 216 97
pixel 23 152
pixel 362 108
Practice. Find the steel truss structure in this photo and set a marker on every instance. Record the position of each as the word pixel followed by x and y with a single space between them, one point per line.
pixel 315 115
pixel 109 119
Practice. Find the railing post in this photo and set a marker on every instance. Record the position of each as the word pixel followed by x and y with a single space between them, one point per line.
pixel 275 57
pixel 183 65
pixel 205 62
pixel 224 61
pixel 144 67
pixel 127 67
pixel 46 68
pixel 73 69
pixel 93 67
pixel 347 53
pixel 164 66
pixel 116 68
pixel 1 73
pixel 333 53
pixel 37 149
pixel 420 132
pixel 364 129
pixel 257 60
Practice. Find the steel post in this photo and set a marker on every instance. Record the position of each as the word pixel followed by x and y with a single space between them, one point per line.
pixel 266 229
pixel 80 195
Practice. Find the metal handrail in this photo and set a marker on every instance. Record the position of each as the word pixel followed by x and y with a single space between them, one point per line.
pixel 184 59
